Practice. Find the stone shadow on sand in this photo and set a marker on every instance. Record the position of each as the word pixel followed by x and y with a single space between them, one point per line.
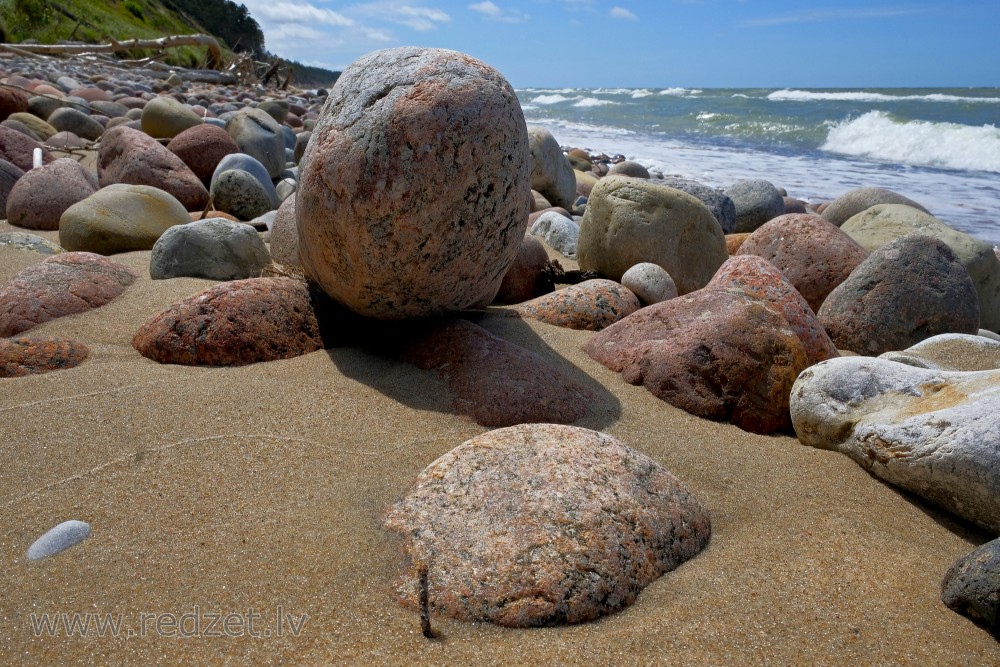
pixel 487 365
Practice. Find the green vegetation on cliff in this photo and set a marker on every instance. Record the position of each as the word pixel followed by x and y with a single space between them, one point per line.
pixel 95 21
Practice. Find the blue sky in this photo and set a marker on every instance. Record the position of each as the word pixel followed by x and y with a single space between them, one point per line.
pixel 660 43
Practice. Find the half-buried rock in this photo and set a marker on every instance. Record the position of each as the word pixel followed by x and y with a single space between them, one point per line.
pixel 214 248
pixel 415 187
pixel 591 305
pixel 32 356
pixel 234 324
pixel 543 524
pixel 931 432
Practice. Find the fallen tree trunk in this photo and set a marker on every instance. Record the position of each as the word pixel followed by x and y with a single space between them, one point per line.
pixel 114 46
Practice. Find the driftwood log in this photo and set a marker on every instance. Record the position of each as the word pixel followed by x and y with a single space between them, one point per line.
pixel 114 46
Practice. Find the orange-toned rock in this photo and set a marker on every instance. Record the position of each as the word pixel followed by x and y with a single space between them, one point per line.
pixel 12 100
pixel 495 382
pixel 201 148
pixel 414 189
pixel 716 353
pixel 233 324
pixel 592 305
pixel 541 524
pixel 815 255
pixel 758 277
pixel 63 284
pixel 735 241
pixel 32 356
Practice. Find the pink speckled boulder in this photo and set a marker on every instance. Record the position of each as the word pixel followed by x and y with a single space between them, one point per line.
pixel 495 382
pixel 526 278
pixel 133 157
pixel 414 188
pixel 541 524
pixel 63 284
pixel 758 277
pixel 32 356
pixel 716 353
pixel 18 149
pixel 233 324
pixel 591 305
pixel 815 255
pixel 201 148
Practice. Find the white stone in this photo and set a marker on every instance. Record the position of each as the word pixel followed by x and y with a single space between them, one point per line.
pixel 934 433
pixel 557 231
pixel 60 538
pixel 650 282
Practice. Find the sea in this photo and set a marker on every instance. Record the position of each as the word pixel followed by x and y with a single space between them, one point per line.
pixel 937 146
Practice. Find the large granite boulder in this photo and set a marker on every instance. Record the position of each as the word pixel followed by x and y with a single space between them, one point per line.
pixel 904 292
pixel 716 353
pixel 214 248
pixel 120 218
pixel 880 224
pixel 63 284
pixel 543 524
pixel 133 157
pixel 551 173
pixel 931 432
pixel 414 190
pixel 852 202
pixel 630 220
pixel 814 255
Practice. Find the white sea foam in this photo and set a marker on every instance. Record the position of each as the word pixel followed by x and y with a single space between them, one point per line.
pixel 861 96
pixel 641 92
pixel 707 115
pixel 680 92
pixel 554 98
pixel 593 102
pixel 949 145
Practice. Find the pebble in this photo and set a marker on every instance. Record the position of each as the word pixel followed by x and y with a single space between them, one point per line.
pixel 58 539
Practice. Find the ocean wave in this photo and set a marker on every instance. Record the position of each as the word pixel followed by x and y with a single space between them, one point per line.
pixel 681 92
pixel 707 115
pixel 593 102
pixel 948 145
pixel 554 124
pixel 547 91
pixel 554 98
pixel 861 96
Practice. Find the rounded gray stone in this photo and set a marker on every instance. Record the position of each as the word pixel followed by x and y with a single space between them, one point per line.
pixel 558 232
pixel 721 206
pixel 756 201
pixel 238 193
pixel 214 248
pixel 60 538
pixel 650 282
pixel 260 136
pixel 69 119
pixel 852 202
pixel 252 166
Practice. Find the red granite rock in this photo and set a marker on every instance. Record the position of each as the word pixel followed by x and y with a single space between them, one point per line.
pixel 815 255
pixel 134 157
pixel 41 196
pixel 495 382
pixel 716 353
pixel 201 148
pixel 758 277
pixel 525 279
pixel 542 524
pixel 32 356
pixel 591 305
pixel 233 324
pixel 64 284
pixel 19 149
pixel 12 100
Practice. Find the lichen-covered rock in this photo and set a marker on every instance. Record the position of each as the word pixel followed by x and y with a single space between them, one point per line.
pixel 758 277
pixel 31 356
pixel 904 292
pixel 591 305
pixel 234 324
pixel 63 284
pixel 413 196
pixel 42 195
pixel 495 382
pixel 813 254
pixel 931 432
pixel 133 157
pixel 971 587
pixel 542 524
pixel 551 173
pixel 716 353
pixel 630 220
pixel 852 202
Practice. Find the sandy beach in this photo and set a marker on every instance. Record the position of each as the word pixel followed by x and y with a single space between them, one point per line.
pixel 221 490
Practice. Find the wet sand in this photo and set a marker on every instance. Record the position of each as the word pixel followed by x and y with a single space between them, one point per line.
pixel 225 489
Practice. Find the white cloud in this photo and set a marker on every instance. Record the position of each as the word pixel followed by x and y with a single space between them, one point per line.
pixel 494 13
pixel 820 15
pixel 621 13
pixel 295 12
pixel 417 17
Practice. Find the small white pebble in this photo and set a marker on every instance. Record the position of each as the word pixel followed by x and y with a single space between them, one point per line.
pixel 36 158
pixel 60 538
